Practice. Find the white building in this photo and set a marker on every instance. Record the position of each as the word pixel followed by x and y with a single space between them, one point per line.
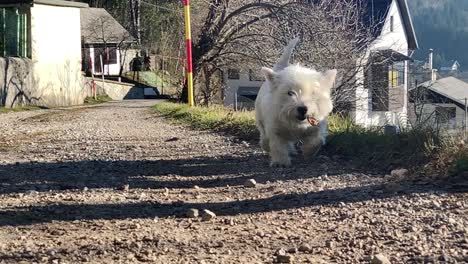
pixel 40 50
pixel 383 100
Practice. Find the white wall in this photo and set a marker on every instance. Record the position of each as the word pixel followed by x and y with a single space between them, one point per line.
pixel 56 54
pixel 428 113
pixel 398 41
pixel 231 87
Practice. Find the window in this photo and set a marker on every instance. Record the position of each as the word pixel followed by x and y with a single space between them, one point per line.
pixel 255 76
pixel 111 54
pixel 396 74
pixel 233 74
pixel 378 83
pixel 391 23
pixel 14 39
pixel 445 115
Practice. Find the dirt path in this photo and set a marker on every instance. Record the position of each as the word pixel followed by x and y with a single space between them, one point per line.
pixel 63 175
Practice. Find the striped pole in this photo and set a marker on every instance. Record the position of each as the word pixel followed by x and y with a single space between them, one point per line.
pixel 188 37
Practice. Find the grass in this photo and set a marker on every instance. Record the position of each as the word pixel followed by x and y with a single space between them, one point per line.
pixel 370 148
pixel 90 100
pixel 18 109
pixel 218 118
pixel 149 78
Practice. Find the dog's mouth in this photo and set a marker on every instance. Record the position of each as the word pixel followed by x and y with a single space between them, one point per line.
pixel 312 121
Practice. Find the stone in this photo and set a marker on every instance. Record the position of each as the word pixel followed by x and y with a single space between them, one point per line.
pixel 207 215
pixel 330 244
pixel 305 248
pixel 399 173
pixel 125 188
pixel 192 213
pixel 250 183
pixel 280 251
pixel 380 259
pixel 284 259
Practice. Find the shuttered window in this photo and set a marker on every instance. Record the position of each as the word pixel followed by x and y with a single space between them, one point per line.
pixel 14 39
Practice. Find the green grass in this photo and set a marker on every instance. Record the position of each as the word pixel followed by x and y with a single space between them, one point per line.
pixel 18 109
pixel 374 148
pixel 99 100
pixel 218 118
pixel 369 148
pixel 150 78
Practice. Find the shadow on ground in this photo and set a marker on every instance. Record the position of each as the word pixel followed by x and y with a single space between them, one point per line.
pixel 205 172
pixel 183 173
pixel 66 212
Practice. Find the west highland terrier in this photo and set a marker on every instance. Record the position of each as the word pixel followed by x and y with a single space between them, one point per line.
pixel 292 106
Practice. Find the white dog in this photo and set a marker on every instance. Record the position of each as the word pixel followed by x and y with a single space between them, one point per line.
pixel 292 105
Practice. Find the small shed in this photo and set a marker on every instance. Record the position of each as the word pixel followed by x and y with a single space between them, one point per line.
pixel 107 47
pixel 440 103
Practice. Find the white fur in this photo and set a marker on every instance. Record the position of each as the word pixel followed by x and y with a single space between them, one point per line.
pixel 289 95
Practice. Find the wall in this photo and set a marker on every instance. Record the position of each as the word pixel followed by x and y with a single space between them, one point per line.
pixel 17 83
pixel 231 86
pixel 115 90
pixel 56 54
pixel 428 113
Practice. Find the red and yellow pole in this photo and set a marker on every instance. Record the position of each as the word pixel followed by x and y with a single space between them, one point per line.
pixel 188 37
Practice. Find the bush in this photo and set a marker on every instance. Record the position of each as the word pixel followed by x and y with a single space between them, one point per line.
pixel 375 148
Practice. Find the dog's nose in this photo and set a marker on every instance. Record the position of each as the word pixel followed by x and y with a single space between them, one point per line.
pixel 302 110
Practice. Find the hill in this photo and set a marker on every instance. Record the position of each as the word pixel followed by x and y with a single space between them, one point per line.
pixel 443 26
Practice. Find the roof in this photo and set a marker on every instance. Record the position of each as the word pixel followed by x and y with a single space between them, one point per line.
pixel 449 66
pixel 389 54
pixel 377 11
pixel 450 87
pixel 62 3
pixel 94 20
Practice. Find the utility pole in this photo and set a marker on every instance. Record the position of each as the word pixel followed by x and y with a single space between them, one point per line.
pixel 188 38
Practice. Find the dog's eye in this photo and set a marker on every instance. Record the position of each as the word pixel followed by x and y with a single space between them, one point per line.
pixel 291 93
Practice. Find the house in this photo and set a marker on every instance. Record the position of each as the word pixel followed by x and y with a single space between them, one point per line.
pixel 440 103
pixel 107 47
pixel 382 100
pixel 450 69
pixel 382 97
pixel 40 53
pixel 241 88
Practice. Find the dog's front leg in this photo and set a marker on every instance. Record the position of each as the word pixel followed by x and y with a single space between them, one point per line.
pixel 279 152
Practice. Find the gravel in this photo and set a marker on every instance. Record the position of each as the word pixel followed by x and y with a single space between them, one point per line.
pixel 113 183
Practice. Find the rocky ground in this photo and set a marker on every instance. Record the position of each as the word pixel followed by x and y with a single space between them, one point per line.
pixel 115 183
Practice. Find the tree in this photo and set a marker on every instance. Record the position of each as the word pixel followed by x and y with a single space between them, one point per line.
pixel 250 34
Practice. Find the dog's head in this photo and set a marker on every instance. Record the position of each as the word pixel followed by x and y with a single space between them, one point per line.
pixel 301 93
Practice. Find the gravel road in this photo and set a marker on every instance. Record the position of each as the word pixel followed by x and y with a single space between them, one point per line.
pixel 115 183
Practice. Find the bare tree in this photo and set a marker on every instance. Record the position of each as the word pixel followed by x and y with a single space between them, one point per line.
pixel 249 34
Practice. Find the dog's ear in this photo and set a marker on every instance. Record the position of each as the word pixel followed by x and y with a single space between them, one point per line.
pixel 269 74
pixel 328 78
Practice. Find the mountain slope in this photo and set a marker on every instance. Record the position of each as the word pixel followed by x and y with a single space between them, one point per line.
pixel 443 26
